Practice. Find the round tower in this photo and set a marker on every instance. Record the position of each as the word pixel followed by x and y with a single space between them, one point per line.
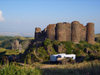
pixel 61 32
pixel 75 34
pixel 90 33
pixel 51 31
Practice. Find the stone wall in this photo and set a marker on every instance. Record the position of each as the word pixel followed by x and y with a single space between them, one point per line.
pixel 37 33
pixel 51 31
pixel 74 32
pixel 61 31
pixel 82 32
pixel 90 33
pixel 75 28
pixel 68 31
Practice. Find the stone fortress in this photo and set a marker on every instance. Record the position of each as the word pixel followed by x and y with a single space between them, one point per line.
pixel 74 32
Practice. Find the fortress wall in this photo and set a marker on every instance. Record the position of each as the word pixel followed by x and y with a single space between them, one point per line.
pixel 44 34
pixel 51 31
pixel 82 32
pixel 68 31
pixel 61 32
pixel 37 33
pixel 75 35
pixel 90 33
pixel 74 32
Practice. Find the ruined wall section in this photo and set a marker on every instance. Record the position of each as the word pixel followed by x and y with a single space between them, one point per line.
pixel 37 33
pixel 82 32
pixel 74 32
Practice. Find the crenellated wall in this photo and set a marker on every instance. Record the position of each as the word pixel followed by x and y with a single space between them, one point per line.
pixel 74 32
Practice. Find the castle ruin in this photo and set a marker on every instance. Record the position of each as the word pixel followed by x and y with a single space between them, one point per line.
pixel 74 32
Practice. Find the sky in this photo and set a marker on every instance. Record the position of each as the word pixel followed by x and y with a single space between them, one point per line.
pixel 22 16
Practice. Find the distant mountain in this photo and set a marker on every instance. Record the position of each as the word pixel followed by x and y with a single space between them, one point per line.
pixel 16 34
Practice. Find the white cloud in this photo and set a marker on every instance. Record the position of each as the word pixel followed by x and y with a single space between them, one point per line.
pixel 1 17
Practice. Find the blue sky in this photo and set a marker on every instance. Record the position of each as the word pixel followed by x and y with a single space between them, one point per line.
pixel 22 16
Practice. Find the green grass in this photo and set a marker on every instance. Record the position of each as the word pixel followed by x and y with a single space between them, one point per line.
pixel 84 68
pixel 10 52
pixel 13 69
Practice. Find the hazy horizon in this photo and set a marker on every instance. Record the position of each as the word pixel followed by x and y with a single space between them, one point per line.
pixel 22 16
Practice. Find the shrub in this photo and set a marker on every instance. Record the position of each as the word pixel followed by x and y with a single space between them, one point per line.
pixel 69 47
pixel 47 42
pixel 41 52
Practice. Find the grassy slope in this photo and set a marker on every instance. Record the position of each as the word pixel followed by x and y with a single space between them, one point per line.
pixel 8 51
pixel 85 68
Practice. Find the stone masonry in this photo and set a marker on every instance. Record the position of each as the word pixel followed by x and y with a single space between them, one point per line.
pixel 90 33
pixel 75 27
pixel 74 32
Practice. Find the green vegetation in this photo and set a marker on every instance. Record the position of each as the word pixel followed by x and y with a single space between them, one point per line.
pixel 13 69
pixel 2 38
pixel 43 50
pixel 10 52
pixel 84 68
pixel 6 41
pixel 37 54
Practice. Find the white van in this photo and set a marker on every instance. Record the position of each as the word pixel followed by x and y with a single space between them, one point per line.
pixel 58 57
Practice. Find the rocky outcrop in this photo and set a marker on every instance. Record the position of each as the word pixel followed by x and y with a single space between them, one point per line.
pixel 16 45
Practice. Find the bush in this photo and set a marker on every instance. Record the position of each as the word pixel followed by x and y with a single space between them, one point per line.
pixel 69 47
pixel 47 42
pixel 41 52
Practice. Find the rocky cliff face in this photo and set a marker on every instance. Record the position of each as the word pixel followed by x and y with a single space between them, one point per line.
pixel 74 32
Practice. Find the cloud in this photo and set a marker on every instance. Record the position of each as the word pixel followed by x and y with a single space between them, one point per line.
pixel 1 17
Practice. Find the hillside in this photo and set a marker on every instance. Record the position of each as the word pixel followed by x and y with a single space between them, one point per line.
pixel 6 41
pixel 40 52
pixel 37 56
